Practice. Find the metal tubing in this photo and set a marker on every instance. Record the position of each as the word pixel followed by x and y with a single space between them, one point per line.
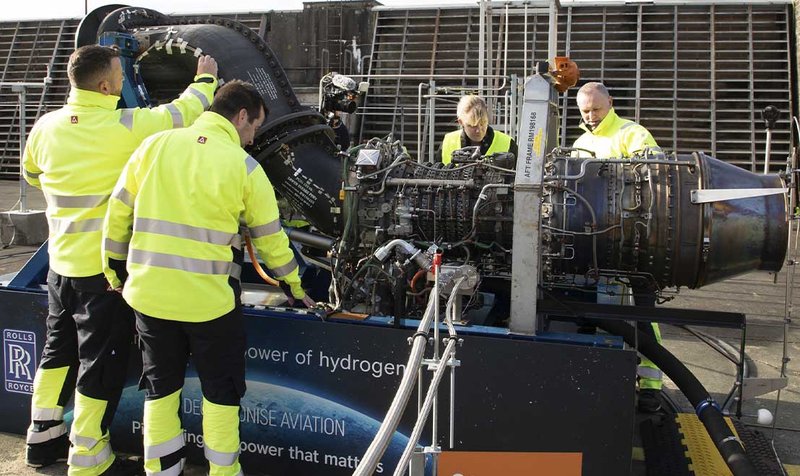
pixel 431 121
pixel 367 465
pixel 768 149
pixel 552 35
pixel 684 163
pixel 431 182
pixel 481 45
pixel 435 424
pixel 23 132
pixel 437 377
pixel 419 121
pixel 525 44
pixel 426 408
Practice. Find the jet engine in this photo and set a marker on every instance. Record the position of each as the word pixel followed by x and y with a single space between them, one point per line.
pixel 651 220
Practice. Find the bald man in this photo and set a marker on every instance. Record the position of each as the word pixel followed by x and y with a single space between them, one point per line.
pixel 606 135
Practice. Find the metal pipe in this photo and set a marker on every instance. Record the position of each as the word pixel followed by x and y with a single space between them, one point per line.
pixel 505 46
pixel 23 132
pixel 368 463
pixel 525 44
pixel 419 121
pixel 552 39
pixel 482 197
pixel 768 149
pixel 435 380
pixel 431 182
pixel 431 121
pixel 426 408
pixel 481 45
pixel 683 163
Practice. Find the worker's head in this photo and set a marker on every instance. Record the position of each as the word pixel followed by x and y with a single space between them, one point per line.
pixel 242 104
pixel 473 116
pixel 96 68
pixel 594 102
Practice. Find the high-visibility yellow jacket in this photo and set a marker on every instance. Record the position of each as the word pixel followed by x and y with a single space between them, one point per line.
pixel 174 216
pixel 75 155
pixel 615 137
pixel 452 142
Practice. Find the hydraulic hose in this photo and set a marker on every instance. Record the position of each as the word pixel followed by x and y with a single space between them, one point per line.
pixel 729 446
pixel 384 435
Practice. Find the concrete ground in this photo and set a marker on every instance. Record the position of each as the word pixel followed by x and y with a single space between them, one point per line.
pixel 754 294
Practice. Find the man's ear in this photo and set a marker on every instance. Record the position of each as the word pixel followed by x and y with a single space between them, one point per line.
pixel 243 116
pixel 104 86
pixel 611 101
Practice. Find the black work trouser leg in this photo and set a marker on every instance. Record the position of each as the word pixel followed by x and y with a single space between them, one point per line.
pixel 89 330
pixel 216 348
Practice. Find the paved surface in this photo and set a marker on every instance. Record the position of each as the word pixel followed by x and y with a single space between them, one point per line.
pixel 754 294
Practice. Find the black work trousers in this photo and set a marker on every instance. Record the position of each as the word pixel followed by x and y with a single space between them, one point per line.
pixel 216 347
pixel 89 330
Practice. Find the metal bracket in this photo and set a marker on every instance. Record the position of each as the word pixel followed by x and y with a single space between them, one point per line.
pixel 721 194
pixel 754 387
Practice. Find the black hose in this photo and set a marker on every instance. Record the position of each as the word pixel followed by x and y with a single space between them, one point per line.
pixel 707 410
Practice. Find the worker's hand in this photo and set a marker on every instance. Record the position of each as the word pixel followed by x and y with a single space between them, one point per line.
pixel 116 290
pixel 308 302
pixel 207 65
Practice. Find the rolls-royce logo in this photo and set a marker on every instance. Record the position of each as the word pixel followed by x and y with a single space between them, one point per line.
pixel 19 360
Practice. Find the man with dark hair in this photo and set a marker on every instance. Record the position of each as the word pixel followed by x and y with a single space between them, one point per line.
pixel 75 155
pixel 174 219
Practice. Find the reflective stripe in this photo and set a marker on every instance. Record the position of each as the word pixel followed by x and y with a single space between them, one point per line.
pixel 265 230
pixel 116 246
pixel 90 461
pixel 47 414
pixel 173 470
pixel 285 269
pixel 202 97
pixel 77 201
pixel 35 437
pixel 123 195
pixel 236 271
pixel 33 175
pixel 177 117
pixel 251 163
pixel 85 441
pixel 237 242
pixel 151 258
pixel 626 125
pixel 179 230
pixel 126 118
pixel 220 458
pixel 648 372
pixel 65 226
pixel 166 448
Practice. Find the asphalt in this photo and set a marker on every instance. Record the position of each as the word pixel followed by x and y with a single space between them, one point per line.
pixel 759 295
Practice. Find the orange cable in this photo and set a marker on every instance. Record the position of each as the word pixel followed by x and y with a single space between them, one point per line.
pixel 256 264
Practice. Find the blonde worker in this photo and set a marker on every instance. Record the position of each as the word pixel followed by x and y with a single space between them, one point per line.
pixel 473 117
